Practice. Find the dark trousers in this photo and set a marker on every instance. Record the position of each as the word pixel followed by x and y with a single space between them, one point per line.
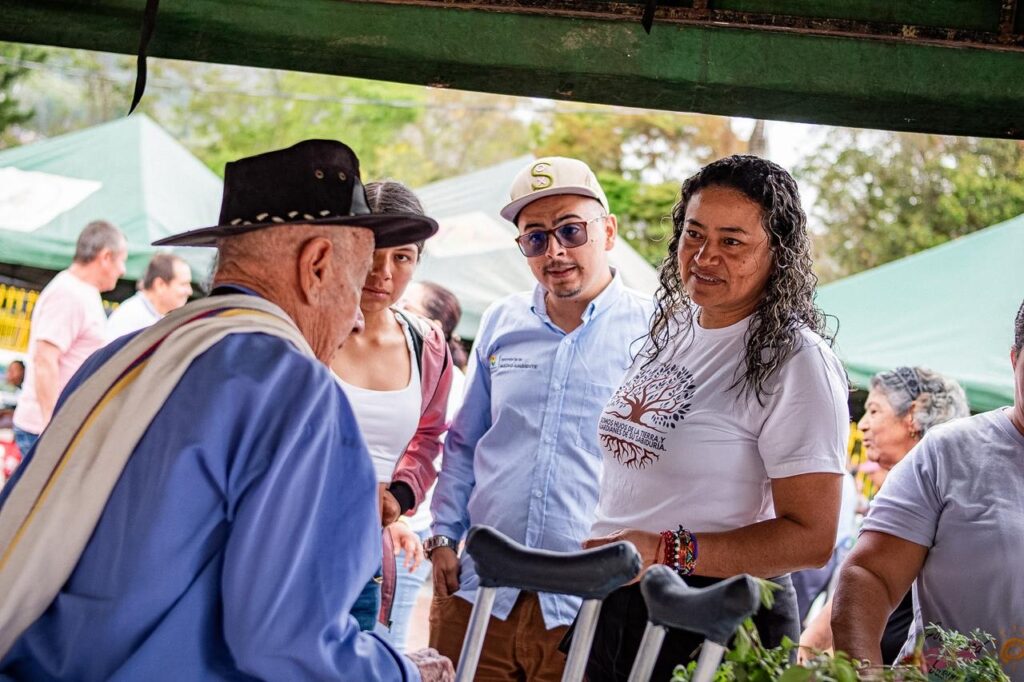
pixel 623 618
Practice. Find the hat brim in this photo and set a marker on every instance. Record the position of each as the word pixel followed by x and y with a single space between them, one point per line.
pixel 511 210
pixel 388 229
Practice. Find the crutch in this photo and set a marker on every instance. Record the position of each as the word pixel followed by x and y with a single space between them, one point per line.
pixel 714 611
pixel 501 562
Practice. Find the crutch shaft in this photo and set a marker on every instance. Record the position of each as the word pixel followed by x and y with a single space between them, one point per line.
pixel 647 654
pixel 583 635
pixel 475 634
pixel 710 656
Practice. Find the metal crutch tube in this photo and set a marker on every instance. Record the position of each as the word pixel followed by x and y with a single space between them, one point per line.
pixel 583 636
pixel 711 654
pixel 647 654
pixel 474 642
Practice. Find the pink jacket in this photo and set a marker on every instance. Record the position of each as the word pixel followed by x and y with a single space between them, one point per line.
pixel 415 467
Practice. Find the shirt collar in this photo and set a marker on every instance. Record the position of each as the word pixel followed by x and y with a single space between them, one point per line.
pixel 149 305
pixel 603 301
pixel 230 288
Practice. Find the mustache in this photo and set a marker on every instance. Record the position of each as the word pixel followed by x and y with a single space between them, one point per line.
pixel 559 265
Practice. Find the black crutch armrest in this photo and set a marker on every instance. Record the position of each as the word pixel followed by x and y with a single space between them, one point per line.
pixel 590 574
pixel 714 611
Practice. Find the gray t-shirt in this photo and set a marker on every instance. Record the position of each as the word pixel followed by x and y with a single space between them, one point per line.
pixel 960 493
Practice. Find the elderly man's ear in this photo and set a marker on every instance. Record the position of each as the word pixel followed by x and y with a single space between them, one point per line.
pixel 315 262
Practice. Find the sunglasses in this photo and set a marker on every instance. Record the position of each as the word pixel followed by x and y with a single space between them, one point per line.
pixel 569 235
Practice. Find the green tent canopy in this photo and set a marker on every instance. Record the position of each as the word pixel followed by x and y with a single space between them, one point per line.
pixel 129 171
pixel 950 308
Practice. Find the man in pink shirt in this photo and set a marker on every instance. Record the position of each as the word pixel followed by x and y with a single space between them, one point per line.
pixel 68 325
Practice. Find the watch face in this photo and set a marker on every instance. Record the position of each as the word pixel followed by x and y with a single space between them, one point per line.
pixel 437 541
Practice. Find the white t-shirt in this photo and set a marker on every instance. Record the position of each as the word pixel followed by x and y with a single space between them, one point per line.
pixel 960 493
pixel 134 314
pixel 388 419
pixel 682 445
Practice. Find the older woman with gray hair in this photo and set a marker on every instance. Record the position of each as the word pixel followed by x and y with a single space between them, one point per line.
pixel 902 405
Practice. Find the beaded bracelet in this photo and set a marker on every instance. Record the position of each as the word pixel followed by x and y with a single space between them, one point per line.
pixel 686 556
pixel 680 553
pixel 671 549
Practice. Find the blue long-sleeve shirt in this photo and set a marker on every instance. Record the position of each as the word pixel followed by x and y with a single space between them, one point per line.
pixel 522 453
pixel 236 540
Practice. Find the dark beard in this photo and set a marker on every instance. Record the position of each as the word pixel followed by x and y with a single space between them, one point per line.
pixel 568 294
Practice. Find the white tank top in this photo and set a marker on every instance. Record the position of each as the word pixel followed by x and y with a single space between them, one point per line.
pixel 388 419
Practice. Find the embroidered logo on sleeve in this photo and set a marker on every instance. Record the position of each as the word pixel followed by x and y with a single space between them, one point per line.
pixel 645 408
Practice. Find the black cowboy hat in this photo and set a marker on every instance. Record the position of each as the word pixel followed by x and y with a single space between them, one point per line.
pixel 315 182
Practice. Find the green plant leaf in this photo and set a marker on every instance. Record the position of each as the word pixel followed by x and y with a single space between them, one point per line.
pixel 797 674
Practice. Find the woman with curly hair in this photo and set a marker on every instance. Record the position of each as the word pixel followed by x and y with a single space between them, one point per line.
pixel 724 446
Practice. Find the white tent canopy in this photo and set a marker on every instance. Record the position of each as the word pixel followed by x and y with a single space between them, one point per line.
pixel 474 253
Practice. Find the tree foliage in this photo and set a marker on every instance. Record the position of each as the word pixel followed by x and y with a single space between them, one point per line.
pixel 644 211
pixel 12 71
pixel 637 144
pixel 879 196
pixel 883 196
pixel 223 113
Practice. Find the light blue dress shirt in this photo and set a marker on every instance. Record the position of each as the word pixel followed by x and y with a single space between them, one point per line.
pixel 522 454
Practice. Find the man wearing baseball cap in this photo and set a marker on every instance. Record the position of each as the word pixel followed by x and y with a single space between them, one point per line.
pixel 522 454
pixel 202 506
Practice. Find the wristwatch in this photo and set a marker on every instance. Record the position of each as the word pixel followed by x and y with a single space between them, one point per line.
pixel 435 541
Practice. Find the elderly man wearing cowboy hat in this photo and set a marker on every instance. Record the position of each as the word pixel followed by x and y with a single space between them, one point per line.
pixel 203 506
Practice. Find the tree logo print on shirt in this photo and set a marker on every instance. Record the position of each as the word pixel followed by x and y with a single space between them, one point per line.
pixel 1012 649
pixel 657 397
pixel 652 403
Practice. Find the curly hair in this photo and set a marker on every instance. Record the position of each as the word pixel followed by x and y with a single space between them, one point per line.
pixel 788 300
pixel 934 398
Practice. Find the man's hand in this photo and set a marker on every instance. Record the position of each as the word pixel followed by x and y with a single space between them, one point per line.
pixel 446 571
pixel 389 507
pixel 649 545
pixel 433 666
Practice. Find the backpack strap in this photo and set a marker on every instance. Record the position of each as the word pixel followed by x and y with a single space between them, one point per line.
pixel 416 334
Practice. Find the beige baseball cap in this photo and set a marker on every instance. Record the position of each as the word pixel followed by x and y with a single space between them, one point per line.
pixel 548 176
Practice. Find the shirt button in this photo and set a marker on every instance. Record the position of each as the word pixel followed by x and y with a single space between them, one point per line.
pixel 558 387
pixel 549 439
pixel 538 494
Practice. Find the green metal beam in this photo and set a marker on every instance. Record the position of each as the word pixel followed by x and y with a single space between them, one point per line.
pixel 681 66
